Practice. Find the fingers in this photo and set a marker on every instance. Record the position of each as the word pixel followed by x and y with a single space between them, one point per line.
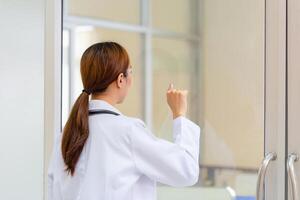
pixel 170 86
pixel 171 89
pixel 185 92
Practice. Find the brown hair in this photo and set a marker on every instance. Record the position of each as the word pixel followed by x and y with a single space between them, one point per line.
pixel 100 65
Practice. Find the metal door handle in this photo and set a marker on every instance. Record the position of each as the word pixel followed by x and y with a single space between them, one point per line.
pixel 262 173
pixel 292 158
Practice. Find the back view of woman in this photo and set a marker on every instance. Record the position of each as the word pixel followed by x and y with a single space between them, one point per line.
pixel 103 154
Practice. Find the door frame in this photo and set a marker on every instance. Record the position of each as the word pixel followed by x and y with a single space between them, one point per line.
pixel 53 78
pixel 275 97
pixel 293 94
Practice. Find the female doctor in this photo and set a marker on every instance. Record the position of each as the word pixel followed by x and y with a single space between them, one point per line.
pixel 103 154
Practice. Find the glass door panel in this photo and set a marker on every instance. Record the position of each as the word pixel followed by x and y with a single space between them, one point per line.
pixel 218 51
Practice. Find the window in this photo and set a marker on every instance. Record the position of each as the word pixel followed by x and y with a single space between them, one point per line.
pixel 160 53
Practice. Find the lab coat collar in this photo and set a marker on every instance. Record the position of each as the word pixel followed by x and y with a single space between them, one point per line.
pixel 95 104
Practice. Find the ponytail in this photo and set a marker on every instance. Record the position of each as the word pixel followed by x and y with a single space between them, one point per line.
pixel 75 132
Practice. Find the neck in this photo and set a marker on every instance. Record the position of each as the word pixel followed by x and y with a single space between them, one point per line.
pixel 108 99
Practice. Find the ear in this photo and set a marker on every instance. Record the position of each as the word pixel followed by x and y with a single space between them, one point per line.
pixel 120 80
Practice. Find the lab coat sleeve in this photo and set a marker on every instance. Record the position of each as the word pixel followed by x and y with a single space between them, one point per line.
pixel 172 163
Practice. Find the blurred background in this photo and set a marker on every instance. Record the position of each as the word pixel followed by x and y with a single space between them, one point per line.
pixel 239 59
pixel 213 48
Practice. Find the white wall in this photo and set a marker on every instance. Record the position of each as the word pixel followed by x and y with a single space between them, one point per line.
pixel 22 98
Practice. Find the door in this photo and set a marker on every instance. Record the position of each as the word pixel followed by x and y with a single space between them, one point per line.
pixel 230 55
pixel 293 105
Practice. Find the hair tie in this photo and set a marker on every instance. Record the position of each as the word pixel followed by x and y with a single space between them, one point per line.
pixel 86 91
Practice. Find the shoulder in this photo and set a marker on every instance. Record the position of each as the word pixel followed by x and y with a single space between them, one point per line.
pixel 128 124
pixel 134 125
pixel 133 122
pixel 139 131
pixel 131 127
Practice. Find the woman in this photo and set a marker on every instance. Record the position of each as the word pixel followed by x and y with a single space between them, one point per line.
pixel 105 155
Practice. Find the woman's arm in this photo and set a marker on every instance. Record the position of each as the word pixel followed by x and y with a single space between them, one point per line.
pixel 174 164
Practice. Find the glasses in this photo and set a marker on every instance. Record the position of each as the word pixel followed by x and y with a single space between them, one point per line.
pixel 128 71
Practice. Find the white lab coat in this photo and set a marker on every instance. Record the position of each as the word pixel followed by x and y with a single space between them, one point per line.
pixel 123 160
